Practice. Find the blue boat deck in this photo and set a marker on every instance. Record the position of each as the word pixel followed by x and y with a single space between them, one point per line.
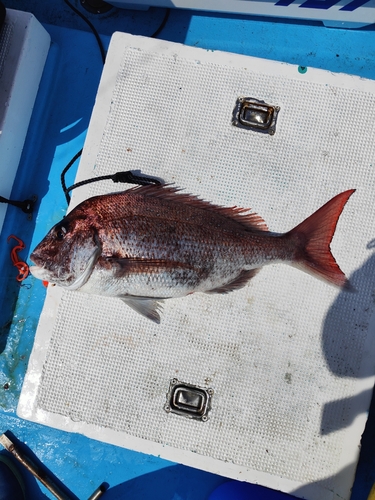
pixel 57 131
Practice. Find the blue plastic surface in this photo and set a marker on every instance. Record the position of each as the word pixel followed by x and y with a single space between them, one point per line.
pixel 56 133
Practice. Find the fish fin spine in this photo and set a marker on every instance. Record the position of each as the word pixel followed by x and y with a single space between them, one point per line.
pixel 313 254
pixel 250 221
pixel 146 306
pixel 239 282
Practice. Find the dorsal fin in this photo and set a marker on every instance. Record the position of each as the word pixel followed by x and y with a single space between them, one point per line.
pixel 250 221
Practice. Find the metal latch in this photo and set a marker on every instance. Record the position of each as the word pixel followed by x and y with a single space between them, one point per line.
pixel 251 113
pixel 188 400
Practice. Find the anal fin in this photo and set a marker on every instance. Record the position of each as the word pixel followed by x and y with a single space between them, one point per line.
pixel 147 306
pixel 237 283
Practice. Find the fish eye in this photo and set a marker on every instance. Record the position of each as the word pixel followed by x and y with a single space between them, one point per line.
pixel 60 232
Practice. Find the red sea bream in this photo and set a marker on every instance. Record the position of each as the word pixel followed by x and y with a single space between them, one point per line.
pixel 152 243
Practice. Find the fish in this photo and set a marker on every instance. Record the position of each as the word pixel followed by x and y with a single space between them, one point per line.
pixel 152 243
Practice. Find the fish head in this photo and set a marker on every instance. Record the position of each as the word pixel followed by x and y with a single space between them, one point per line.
pixel 68 253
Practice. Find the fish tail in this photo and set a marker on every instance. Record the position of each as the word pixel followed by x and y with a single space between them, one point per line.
pixel 314 235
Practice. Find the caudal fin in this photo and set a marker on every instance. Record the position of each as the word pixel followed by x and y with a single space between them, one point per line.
pixel 314 236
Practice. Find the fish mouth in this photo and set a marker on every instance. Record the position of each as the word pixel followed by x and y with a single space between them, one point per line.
pixel 37 260
pixel 40 273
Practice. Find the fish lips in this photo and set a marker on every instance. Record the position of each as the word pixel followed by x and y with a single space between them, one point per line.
pixel 39 271
pixel 38 261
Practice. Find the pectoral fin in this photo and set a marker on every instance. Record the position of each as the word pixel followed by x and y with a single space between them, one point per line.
pixel 146 306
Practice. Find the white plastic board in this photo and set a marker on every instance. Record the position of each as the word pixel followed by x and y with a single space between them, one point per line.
pixel 24 46
pixel 290 358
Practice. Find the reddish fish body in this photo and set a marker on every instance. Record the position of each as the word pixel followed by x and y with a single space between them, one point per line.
pixel 153 242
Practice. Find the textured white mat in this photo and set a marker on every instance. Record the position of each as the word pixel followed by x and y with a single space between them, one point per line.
pixel 290 359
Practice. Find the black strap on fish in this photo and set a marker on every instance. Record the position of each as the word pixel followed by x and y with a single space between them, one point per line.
pixel 127 176
pixel 62 178
pixel 27 206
